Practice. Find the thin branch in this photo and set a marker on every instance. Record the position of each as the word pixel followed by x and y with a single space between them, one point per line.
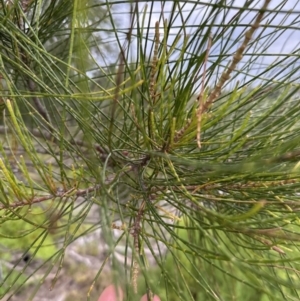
pixel 236 59
pixel 59 194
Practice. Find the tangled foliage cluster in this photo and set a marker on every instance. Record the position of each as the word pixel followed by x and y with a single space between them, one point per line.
pixel 179 133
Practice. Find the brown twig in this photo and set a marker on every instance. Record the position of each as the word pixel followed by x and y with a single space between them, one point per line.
pixel 236 59
pixel 59 194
